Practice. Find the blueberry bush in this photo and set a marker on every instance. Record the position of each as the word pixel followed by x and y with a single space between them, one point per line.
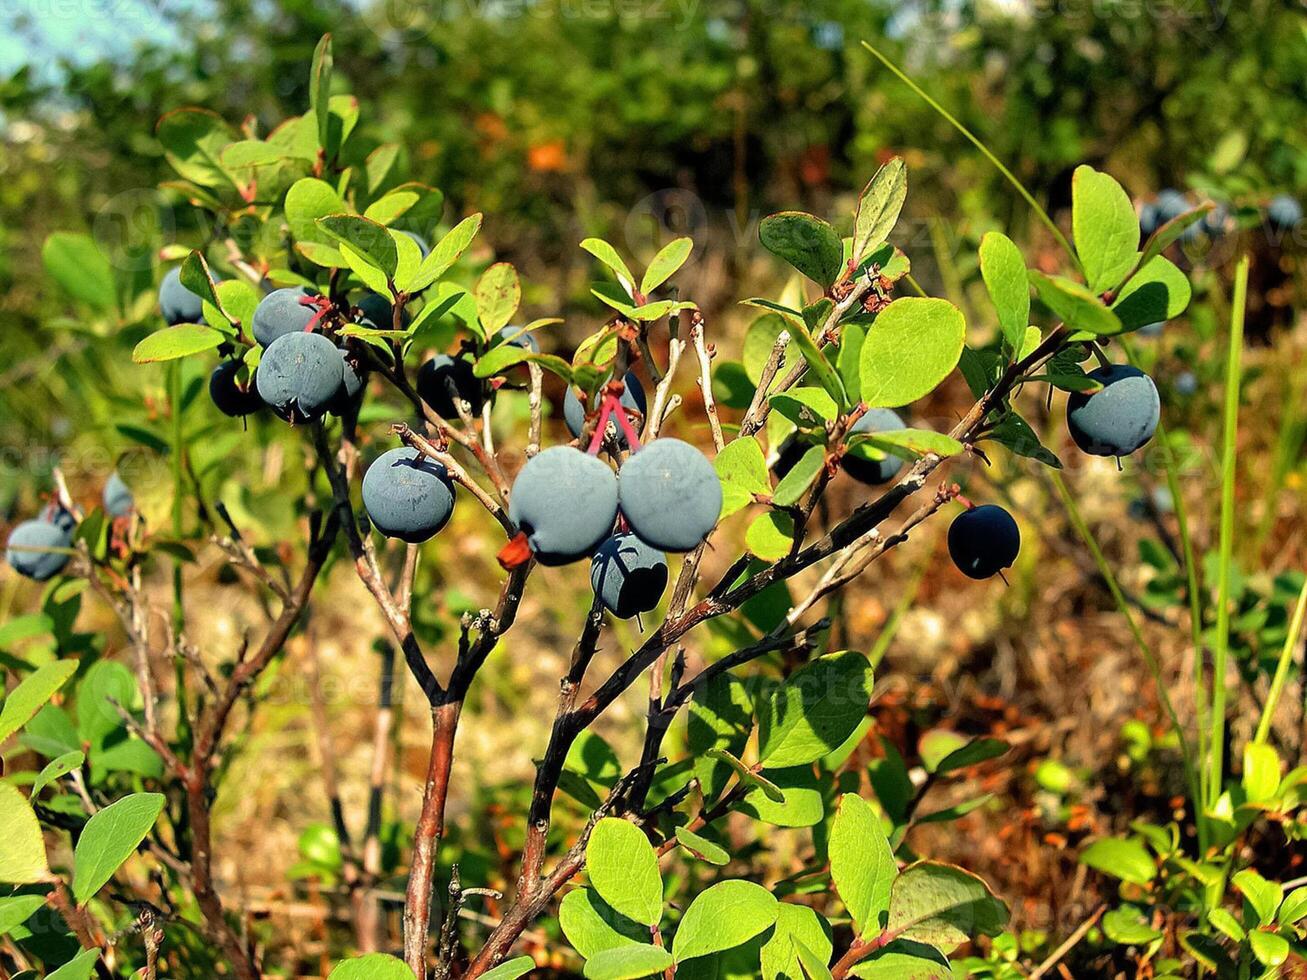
pixel 333 295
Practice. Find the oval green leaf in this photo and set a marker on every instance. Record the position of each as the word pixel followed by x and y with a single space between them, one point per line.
pixel 624 870
pixel 722 917
pixel 913 345
pixel 110 837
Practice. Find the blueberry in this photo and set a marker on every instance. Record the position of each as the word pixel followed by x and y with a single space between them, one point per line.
pixel 299 375
pixel 376 311
pixel 983 541
pixel 40 533
pixel 1284 212
pixel 628 576
pixel 1170 204
pixel 633 400
pixel 1149 219
pixel 881 470
pixel 791 451
pixel 227 394
pixel 117 496
pixel 351 384
pixel 1152 329
pixel 281 312
pixel 407 495
pixel 1216 221
pixel 442 378
pixel 177 303
pixel 565 502
pixel 1118 419
pixel 1186 383
pixel 670 494
pixel 526 341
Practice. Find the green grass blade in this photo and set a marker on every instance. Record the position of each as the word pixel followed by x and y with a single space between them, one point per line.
pixel 1282 668
pixel 975 141
pixel 1221 646
pixel 1123 606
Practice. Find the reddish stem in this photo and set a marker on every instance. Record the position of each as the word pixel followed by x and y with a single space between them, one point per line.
pixel 605 410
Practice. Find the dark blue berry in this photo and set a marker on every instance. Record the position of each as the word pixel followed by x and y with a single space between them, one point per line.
pixel 117 496
pixel 1284 212
pixel 1119 418
pixel 443 378
pixel 633 400
pixel 670 494
pixel 526 341
pixel 879 471
pixel 40 533
pixel 228 395
pixel 281 312
pixel 628 576
pixel 407 495
pixel 177 303
pixel 983 541
pixel 299 375
pixel 565 502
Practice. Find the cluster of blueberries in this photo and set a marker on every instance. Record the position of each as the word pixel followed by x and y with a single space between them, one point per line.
pixel 40 548
pixel 1283 213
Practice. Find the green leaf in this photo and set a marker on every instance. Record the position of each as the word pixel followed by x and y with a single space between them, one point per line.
pixel 879 207
pixel 1263 896
pixel 196 277
pixel 1293 908
pixel 665 264
pixel 1015 433
pixel 723 916
pixel 800 805
pixel 770 535
pixel 193 140
pixel 591 925
pixel 1220 918
pixel 742 469
pixel 804 473
pixel 1269 948
pixel 364 239
pixel 606 254
pixel 38 687
pixel 106 681
pixel 386 209
pixel 1261 771
pixel 796 926
pixel 238 301
pixel 498 292
pixel 808 408
pixel 109 838
pixel 56 769
pixel 79 967
pixel 805 242
pixel 1105 228
pixel 1077 307
pixel 814 966
pixel 76 263
pixel 374 966
pixel 1170 232
pixel 22 849
pixel 748 775
pixel 170 343
pixel 1004 270
pixel 623 869
pixel 976 751
pixel 936 745
pixel 308 200
pixel 802 338
pixel 1124 858
pixel 519 966
pixel 720 716
pixel 1158 291
pixel 862 864
pixel 702 847
pixel 919 442
pixel 815 710
pixel 628 963
pixel 320 89
pixel 848 362
pixel 503 357
pixel 446 252
pixel 17 910
pixel 943 906
pixel 914 344
pixel 904 960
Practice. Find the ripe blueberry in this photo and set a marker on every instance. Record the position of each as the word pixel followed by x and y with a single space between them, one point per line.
pixel 299 375
pixel 227 394
pixel 283 311
pixel 444 378
pixel 628 576
pixel 355 375
pixel 1148 218
pixel 526 341
pixel 1170 204
pixel 1118 419
pixel 868 471
pixel 40 533
pixel 670 494
pixel 117 496
pixel 177 303
pixel 376 311
pixel 564 502
pixel 983 541
pixel 632 401
pixel 407 495
pixel 1284 212
pixel 1186 384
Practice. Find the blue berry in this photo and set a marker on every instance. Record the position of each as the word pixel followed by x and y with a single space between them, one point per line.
pixel 1152 329
pixel 355 376
pixel 443 378
pixel 633 400
pixel 983 541
pixel 881 470
pixel 1118 419
pixel 1170 205
pixel 1284 212
pixel 1186 384
pixel 177 303
pixel 376 311
pixel 1149 220
pixel 565 502
pixel 407 495
pixel 526 341
pixel 299 376
pixel 40 533
pixel 117 496
pixel 670 494
pixel 281 312
pixel 228 395
pixel 628 576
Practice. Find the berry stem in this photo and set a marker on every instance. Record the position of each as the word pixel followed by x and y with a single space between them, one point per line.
pixel 614 406
pixel 601 426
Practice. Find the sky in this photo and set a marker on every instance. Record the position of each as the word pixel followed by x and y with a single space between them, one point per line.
pixel 43 32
